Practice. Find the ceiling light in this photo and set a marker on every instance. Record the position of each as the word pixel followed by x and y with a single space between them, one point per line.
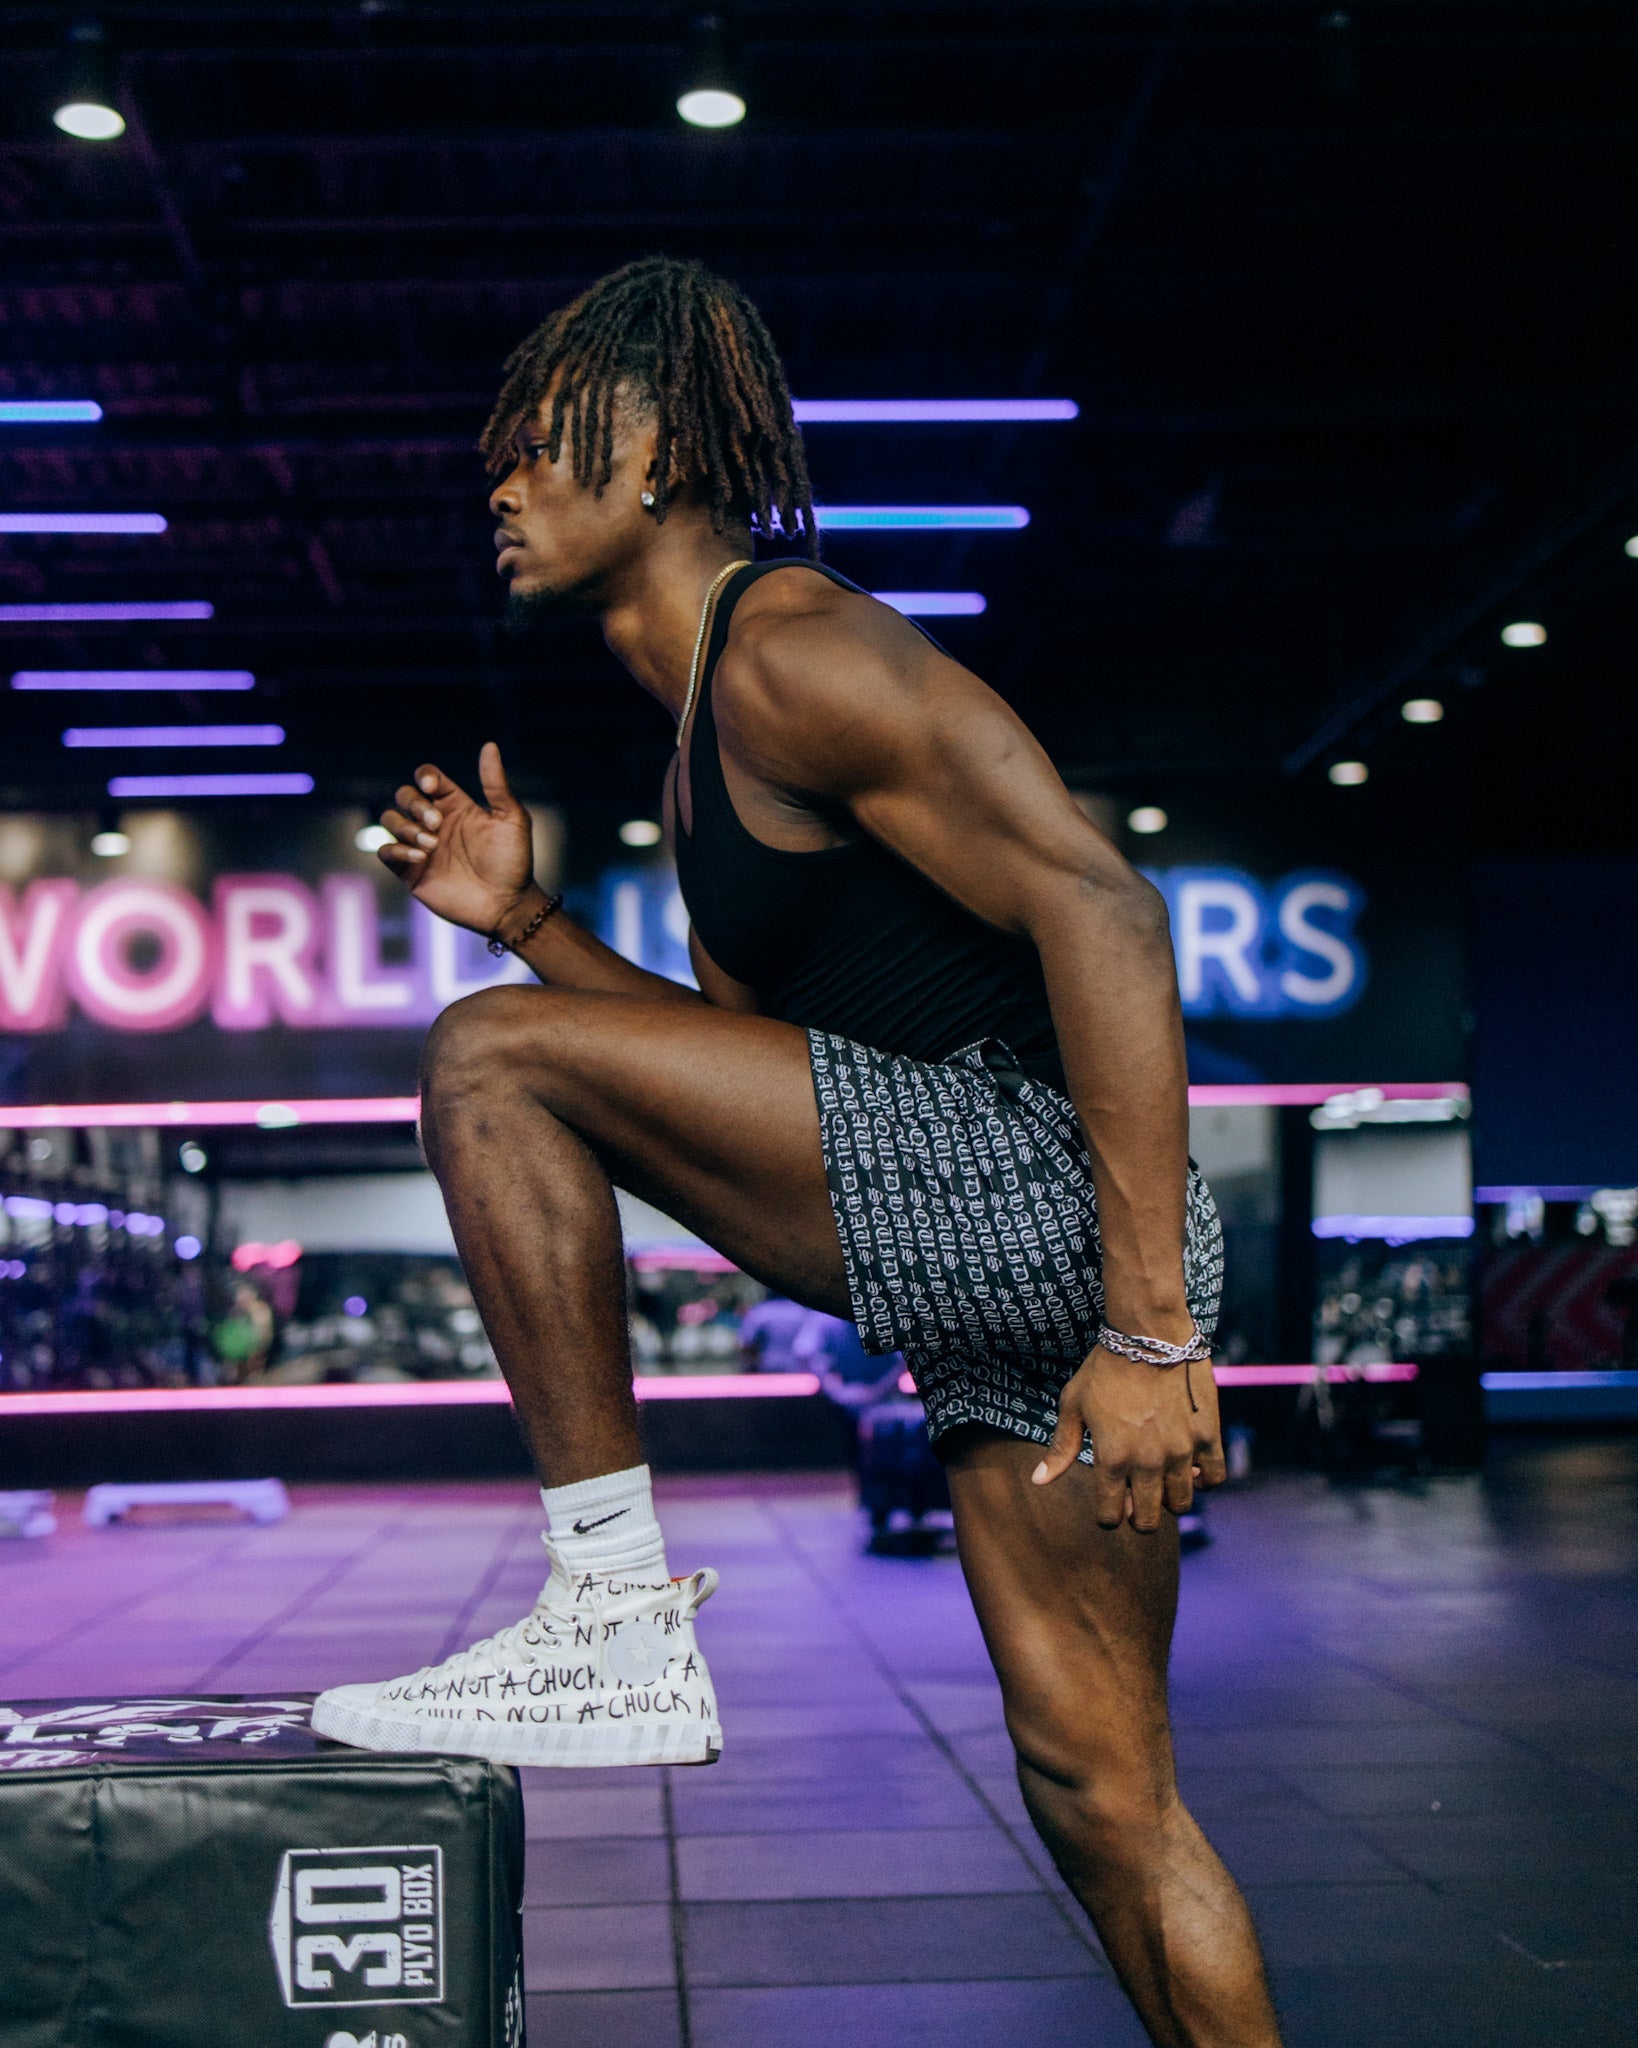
pixel 640 832
pixel 936 518
pixel 371 838
pixel 1146 818
pixel 192 1156
pixel 82 522
pixel 934 604
pixel 1523 633
pixel 1348 774
pixel 1632 547
pixel 708 106
pixel 85 98
pixel 883 411
pixel 90 121
pixel 174 736
pixel 133 679
pixel 102 614
pixel 210 785
pixel 106 845
pixel 33 412
pixel 1422 711
pixel 711 98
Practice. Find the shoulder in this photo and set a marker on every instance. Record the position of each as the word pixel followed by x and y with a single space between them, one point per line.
pixel 812 671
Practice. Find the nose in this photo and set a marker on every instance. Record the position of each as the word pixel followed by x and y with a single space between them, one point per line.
pixel 504 497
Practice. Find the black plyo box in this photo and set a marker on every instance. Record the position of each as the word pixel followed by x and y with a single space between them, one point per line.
pixel 206 1872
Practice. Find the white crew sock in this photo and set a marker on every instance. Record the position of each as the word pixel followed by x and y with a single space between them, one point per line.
pixel 605 1527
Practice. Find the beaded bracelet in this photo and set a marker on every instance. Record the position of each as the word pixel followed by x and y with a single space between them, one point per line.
pixel 501 947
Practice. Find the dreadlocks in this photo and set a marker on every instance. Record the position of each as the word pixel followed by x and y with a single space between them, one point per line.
pixel 692 346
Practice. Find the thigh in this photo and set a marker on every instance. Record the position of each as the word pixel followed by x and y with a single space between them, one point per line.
pixel 708 1114
pixel 1077 1619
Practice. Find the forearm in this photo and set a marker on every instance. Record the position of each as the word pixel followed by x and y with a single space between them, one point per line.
pixel 565 955
pixel 1106 954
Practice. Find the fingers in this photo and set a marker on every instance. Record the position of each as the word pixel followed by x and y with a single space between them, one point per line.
pixel 415 811
pixel 406 862
pixel 497 791
pixel 1110 1497
pixel 431 781
pixel 1065 1447
pixel 1147 1491
pixel 1178 1488
pixel 1210 1463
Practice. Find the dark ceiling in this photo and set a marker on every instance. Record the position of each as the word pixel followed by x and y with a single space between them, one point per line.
pixel 1344 298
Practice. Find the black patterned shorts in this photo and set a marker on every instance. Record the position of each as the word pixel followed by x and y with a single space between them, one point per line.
pixel 963 1198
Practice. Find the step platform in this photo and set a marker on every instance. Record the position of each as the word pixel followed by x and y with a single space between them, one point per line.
pixel 204 1872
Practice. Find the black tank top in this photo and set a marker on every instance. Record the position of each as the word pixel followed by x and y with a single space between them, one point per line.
pixel 848 939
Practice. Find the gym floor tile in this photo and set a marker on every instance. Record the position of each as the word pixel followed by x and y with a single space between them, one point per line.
pixel 613 1871
pixel 597 1948
pixel 1557 1924
pixel 604 2019
pixel 975 2015
pixel 870 1941
pixel 851 1864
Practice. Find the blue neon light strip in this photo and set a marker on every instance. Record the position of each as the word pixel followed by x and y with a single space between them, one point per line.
pixel 1396 1229
pixel 174 736
pixel 30 412
pixel 1552 1382
pixel 934 604
pixel 921 518
pixel 884 411
pixel 82 522
pixel 1526 1194
pixel 210 785
pixel 133 679
pixel 101 614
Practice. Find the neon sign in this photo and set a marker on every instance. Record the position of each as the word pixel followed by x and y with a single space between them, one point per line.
pixel 140 955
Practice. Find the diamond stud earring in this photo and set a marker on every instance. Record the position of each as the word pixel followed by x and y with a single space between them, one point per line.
pixel 647 501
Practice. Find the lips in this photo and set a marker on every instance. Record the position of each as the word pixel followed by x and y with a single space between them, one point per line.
pixel 507 544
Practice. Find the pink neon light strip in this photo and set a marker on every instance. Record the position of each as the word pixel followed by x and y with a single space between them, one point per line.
pixel 1302 1375
pixel 1295 1094
pixel 725 1386
pixel 722 1386
pixel 403 1109
pixel 79 1116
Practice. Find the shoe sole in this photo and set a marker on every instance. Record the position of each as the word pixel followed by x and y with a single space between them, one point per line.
pixel 508 1742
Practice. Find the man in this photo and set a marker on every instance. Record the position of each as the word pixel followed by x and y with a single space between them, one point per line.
pixel 936 1029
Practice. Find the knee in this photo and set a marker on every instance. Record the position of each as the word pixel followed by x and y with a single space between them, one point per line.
pixel 476 1049
pixel 1111 1793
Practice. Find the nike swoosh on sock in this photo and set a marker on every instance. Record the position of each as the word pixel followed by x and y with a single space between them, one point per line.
pixel 585 1528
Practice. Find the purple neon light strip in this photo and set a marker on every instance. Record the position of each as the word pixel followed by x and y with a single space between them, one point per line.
pixel 883 411
pixel 1395 1229
pixel 404 1109
pixel 210 785
pixel 728 1386
pixel 117 613
pixel 1300 1094
pixel 934 604
pixel 174 736
pixel 82 522
pixel 133 679
pixel 31 412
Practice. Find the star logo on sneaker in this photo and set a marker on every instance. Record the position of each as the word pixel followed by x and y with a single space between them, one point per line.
pixel 585 1528
pixel 639 1652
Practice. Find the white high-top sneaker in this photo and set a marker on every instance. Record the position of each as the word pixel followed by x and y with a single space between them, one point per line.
pixel 603 1671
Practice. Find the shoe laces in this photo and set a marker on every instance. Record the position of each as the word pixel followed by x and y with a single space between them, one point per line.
pixel 559 1606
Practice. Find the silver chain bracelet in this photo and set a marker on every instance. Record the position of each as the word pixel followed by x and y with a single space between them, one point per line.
pixel 1157 1352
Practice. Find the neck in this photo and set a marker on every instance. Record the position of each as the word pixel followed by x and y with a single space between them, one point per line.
pixel 652 617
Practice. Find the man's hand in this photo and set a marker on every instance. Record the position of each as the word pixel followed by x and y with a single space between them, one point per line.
pixel 472 863
pixel 1152 1450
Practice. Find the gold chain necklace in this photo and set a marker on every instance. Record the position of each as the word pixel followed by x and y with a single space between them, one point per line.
pixel 717 581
